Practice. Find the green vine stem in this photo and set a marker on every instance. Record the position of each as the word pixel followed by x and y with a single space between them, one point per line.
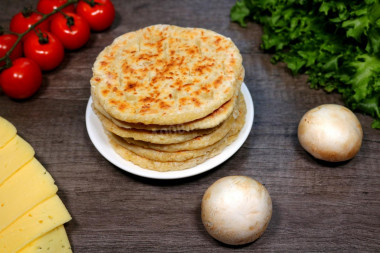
pixel 6 57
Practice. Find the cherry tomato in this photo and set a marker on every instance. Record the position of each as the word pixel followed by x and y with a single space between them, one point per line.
pixel 6 42
pixel 99 15
pixel 22 79
pixel 47 6
pixel 45 49
pixel 73 30
pixel 23 20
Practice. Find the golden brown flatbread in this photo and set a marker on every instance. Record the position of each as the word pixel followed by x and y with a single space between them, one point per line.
pixel 159 165
pixel 166 75
pixel 158 137
pixel 198 142
pixel 210 121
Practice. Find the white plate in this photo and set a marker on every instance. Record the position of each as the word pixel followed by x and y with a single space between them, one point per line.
pixel 100 141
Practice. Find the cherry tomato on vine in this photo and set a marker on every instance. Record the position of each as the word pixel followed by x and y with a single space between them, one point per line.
pixel 22 79
pixel 98 13
pixel 25 19
pixel 71 29
pixel 6 42
pixel 45 49
pixel 47 6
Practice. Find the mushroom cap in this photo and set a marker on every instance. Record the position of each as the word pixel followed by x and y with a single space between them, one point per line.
pixel 236 210
pixel 331 133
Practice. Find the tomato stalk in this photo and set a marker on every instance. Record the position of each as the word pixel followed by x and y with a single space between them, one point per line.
pixel 27 11
pixel 42 37
pixel 6 57
pixel 92 3
pixel 69 20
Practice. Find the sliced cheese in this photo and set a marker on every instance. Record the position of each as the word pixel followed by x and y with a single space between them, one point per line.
pixel 7 131
pixel 13 156
pixel 23 190
pixel 41 219
pixel 55 241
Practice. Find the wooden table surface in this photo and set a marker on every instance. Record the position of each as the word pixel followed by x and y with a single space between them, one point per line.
pixel 316 206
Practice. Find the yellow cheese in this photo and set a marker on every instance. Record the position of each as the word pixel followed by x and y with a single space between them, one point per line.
pixel 41 219
pixel 23 190
pixel 13 156
pixel 7 131
pixel 55 241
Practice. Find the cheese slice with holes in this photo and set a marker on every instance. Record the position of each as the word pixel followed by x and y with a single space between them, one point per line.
pixel 7 131
pixel 13 156
pixel 41 219
pixel 55 241
pixel 23 190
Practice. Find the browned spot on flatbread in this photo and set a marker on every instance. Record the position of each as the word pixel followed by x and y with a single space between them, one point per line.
pixel 217 41
pixel 164 105
pixel 113 102
pixel 105 92
pixel 122 106
pixel 145 108
pixel 218 82
pixel 130 86
pixel 196 102
pixel 183 101
pixel 147 99
pixel 233 61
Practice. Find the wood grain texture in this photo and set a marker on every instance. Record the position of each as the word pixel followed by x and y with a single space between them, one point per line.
pixel 317 207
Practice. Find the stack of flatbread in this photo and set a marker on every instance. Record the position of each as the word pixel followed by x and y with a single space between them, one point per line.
pixel 169 97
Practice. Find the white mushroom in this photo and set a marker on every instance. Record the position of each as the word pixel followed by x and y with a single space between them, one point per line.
pixel 236 210
pixel 331 133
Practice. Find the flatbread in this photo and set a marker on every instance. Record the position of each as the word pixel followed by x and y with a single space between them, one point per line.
pixel 182 155
pixel 198 142
pixel 169 166
pixel 166 75
pixel 210 121
pixel 177 165
pixel 158 137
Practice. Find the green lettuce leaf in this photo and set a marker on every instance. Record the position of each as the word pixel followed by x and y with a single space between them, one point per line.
pixel 335 42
